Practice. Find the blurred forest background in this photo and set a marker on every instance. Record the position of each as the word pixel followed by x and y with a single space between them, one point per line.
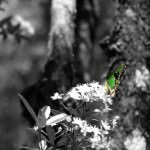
pixel 107 33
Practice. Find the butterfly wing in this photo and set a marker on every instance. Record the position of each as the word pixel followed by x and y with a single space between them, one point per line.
pixel 113 80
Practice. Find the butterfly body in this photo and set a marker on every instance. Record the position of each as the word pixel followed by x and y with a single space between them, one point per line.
pixel 113 80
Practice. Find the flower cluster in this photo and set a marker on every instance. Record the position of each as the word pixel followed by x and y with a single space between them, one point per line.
pixel 92 128
pixel 142 78
pixel 135 141
pixel 97 136
pixel 90 92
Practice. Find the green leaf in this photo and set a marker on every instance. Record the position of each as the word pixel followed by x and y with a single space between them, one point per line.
pixel 56 119
pixel 36 133
pixel 63 142
pixel 43 116
pixel 51 134
pixel 29 108
pixel 55 112
pixel 70 110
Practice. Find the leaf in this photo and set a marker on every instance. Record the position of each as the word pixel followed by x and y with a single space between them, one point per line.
pixel 43 137
pixel 64 140
pixel 28 148
pixel 43 115
pixel 51 134
pixel 29 108
pixel 55 112
pixel 56 119
pixel 69 110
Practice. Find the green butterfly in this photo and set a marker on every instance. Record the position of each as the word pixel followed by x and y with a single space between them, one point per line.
pixel 113 80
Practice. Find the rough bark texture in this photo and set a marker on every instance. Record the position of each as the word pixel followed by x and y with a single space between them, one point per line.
pixel 128 43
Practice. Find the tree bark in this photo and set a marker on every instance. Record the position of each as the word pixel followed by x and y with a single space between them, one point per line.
pixel 128 43
pixel 58 75
pixel 62 26
pixel 59 67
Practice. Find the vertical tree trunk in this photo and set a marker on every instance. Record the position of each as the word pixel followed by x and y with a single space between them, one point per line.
pixel 128 44
pixel 59 72
pixel 59 67
pixel 62 26
pixel 94 21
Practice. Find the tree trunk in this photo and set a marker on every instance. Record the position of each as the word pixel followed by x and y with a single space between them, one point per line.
pixel 59 72
pixel 128 43
pixel 59 67
pixel 62 26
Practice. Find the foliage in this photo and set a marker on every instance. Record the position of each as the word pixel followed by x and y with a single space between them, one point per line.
pixel 16 26
pixel 85 125
pixel 16 61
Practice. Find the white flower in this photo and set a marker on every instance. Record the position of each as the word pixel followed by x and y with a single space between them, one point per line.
pixel 114 121
pixel 99 143
pixel 97 111
pixel 35 128
pixel 135 141
pixel 56 96
pixel 106 108
pixel 90 92
pixel 105 125
pixel 95 140
pixel 85 127
pixel 74 93
pixel 142 78
pixel 42 145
